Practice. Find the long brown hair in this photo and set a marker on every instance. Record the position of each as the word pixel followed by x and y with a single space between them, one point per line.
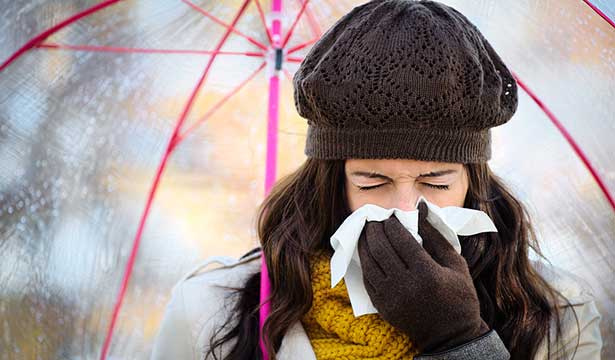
pixel 305 208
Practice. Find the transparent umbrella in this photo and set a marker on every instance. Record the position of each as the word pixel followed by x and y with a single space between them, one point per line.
pixel 138 138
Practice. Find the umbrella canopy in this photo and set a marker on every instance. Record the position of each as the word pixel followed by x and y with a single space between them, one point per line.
pixel 138 137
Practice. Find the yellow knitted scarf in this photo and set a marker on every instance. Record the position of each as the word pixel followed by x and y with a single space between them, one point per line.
pixel 335 333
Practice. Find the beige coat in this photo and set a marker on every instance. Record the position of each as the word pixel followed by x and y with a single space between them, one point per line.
pixel 197 307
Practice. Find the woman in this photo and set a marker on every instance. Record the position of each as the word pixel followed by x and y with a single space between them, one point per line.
pixel 399 97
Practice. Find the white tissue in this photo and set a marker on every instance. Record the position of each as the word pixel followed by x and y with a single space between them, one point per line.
pixel 450 221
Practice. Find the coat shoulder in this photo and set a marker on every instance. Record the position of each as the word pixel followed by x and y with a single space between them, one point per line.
pixel 576 289
pixel 579 316
pixel 201 303
pixel 225 268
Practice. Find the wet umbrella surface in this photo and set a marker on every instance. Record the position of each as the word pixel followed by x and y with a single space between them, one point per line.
pixel 137 138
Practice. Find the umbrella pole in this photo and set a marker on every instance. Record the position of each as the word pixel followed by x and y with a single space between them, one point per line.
pixel 272 144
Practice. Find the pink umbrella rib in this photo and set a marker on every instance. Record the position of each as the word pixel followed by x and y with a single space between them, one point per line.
pixel 289 33
pixel 294 59
pixel 262 16
pixel 218 21
pixel 170 147
pixel 289 76
pixel 221 102
pixel 45 34
pixel 577 149
pixel 117 49
pixel 316 31
pixel 599 12
pixel 301 46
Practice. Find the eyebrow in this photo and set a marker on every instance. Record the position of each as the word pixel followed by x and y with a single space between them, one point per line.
pixel 376 175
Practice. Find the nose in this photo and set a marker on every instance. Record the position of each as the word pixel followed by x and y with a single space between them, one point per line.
pixel 406 198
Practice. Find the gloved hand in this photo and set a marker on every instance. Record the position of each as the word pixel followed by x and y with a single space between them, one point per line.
pixel 425 291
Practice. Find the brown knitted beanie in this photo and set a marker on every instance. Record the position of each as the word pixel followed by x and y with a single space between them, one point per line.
pixel 403 79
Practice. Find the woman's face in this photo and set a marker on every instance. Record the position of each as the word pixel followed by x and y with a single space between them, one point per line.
pixel 398 183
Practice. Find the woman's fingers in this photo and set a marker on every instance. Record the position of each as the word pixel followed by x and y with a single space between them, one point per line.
pixel 405 245
pixel 380 248
pixel 371 269
pixel 436 244
pixel 369 287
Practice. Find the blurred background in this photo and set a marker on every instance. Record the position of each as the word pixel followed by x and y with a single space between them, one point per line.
pixel 84 126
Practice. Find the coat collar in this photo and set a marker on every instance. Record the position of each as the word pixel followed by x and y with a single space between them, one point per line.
pixel 295 342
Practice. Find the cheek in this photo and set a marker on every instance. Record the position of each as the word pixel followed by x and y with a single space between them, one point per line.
pixel 455 196
pixel 452 197
pixel 356 198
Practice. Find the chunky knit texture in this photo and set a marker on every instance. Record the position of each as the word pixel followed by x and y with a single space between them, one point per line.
pixel 403 79
pixel 335 333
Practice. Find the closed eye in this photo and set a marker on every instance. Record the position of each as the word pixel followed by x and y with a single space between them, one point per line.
pixel 364 188
pixel 441 187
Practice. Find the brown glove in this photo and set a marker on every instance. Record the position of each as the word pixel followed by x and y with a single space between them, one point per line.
pixel 425 291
